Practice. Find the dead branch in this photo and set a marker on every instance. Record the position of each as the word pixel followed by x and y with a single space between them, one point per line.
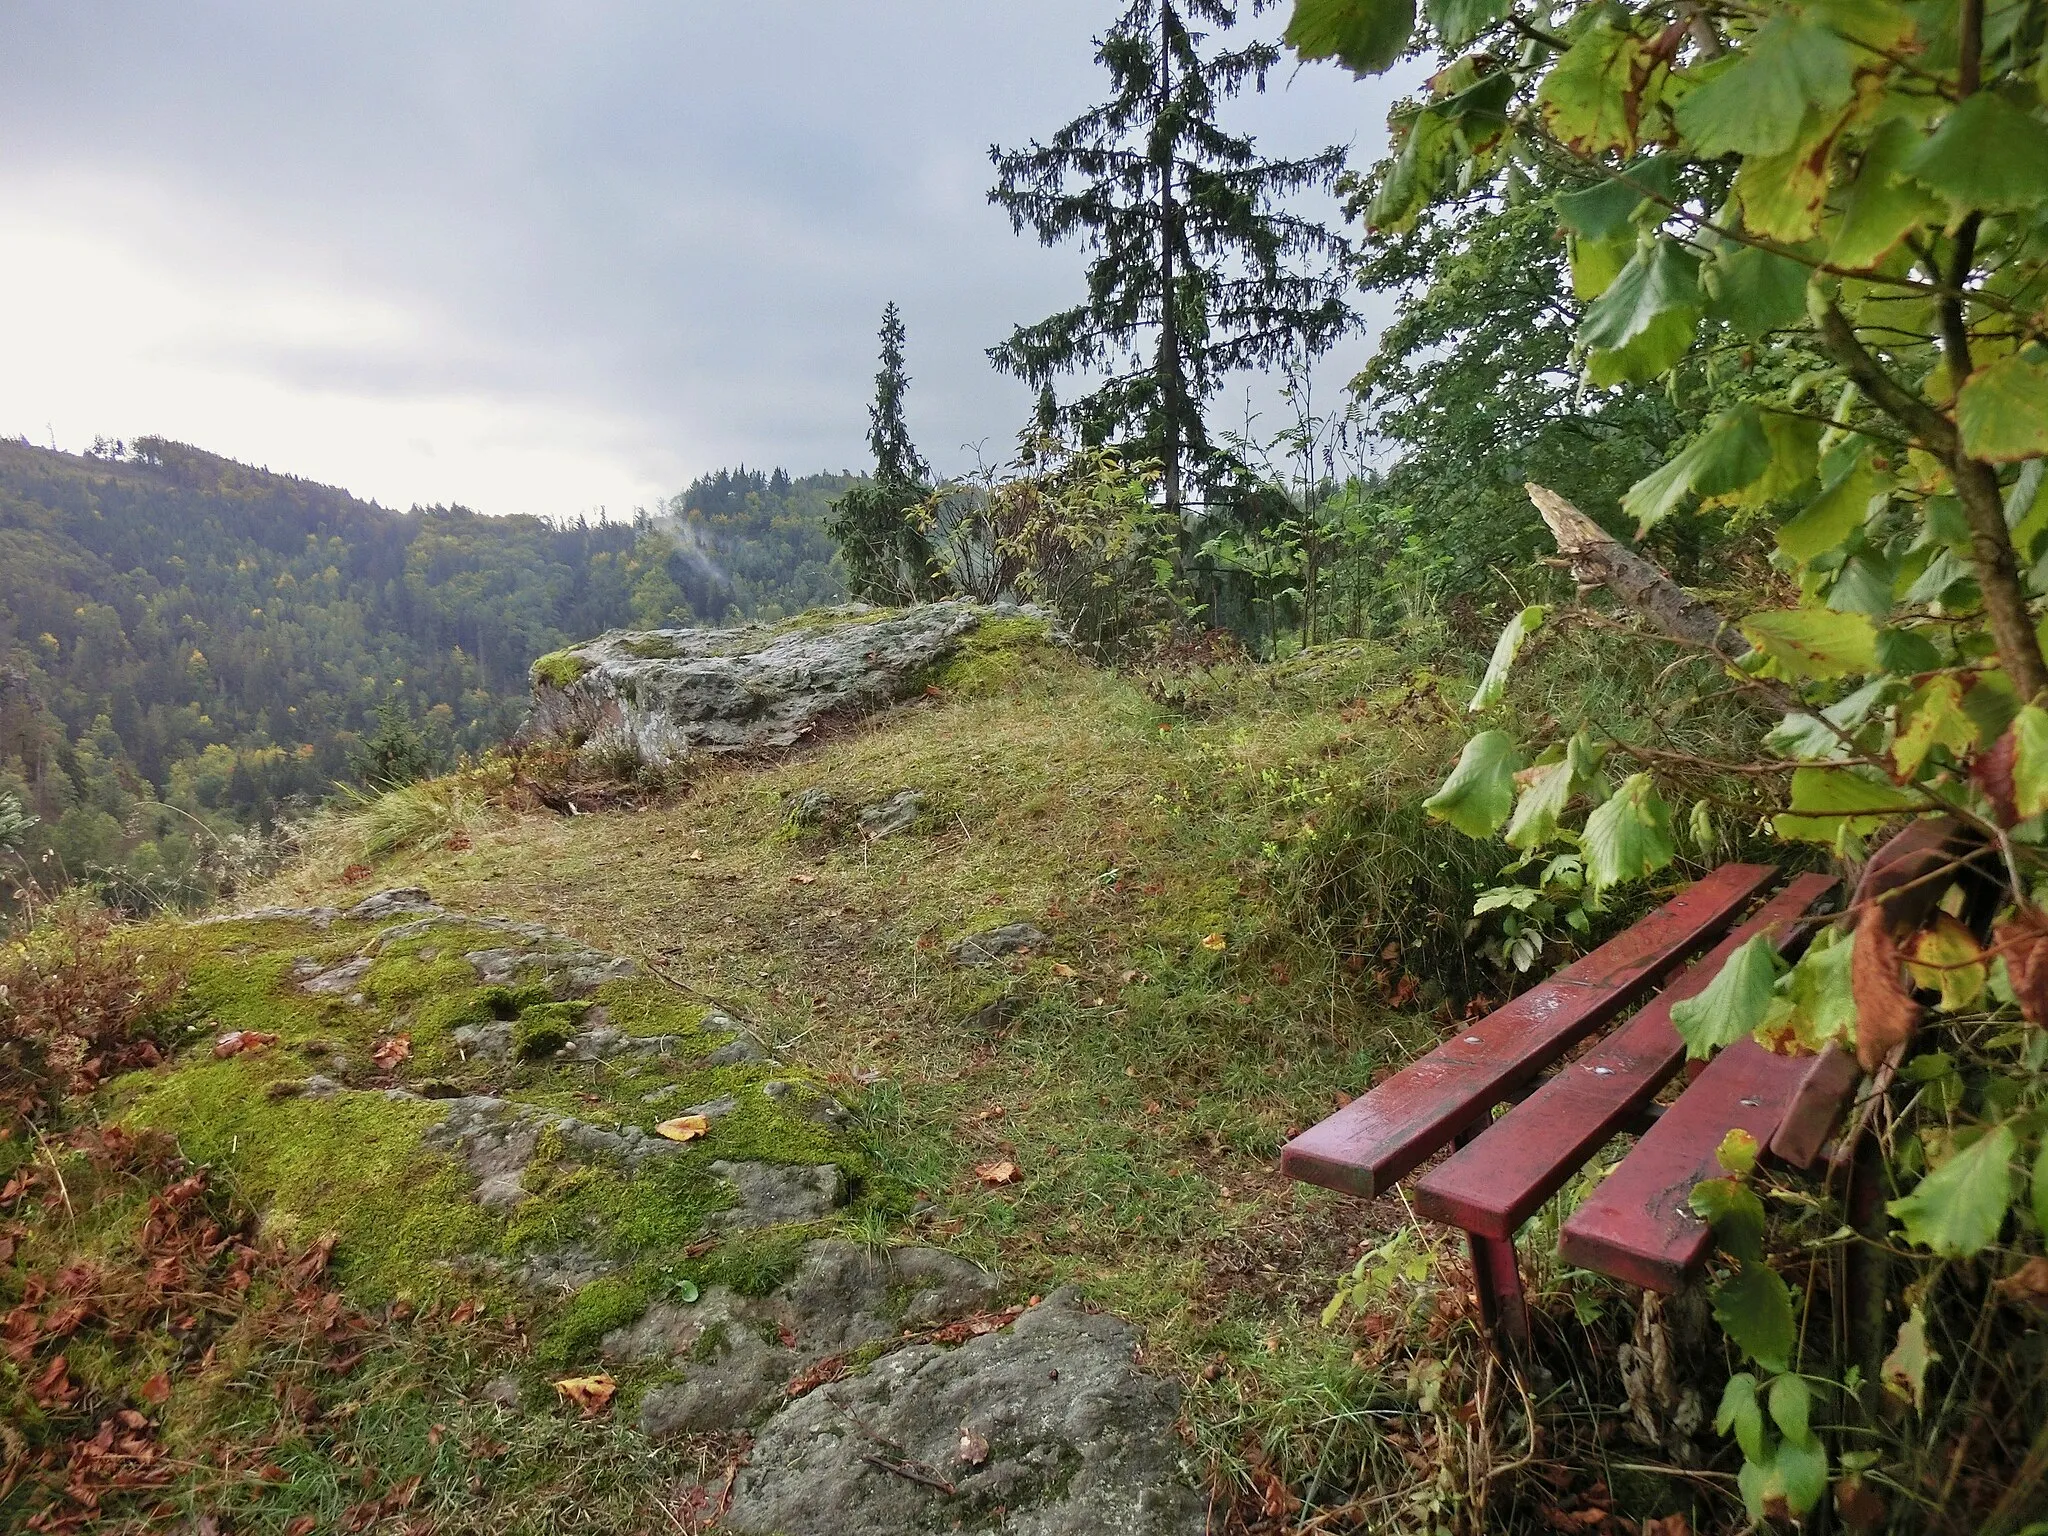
pixel 1598 559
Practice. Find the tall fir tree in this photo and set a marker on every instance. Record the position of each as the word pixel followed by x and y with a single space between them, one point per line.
pixel 1199 266
pixel 888 558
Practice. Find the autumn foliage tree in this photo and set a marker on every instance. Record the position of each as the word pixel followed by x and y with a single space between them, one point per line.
pixel 1837 210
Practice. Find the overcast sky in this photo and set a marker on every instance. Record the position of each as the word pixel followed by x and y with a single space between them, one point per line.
pixel 538 257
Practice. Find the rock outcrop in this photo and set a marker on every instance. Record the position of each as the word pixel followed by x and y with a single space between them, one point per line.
pixel 669 693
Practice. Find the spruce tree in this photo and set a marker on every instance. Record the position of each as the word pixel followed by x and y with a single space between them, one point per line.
pixel 1199 268
pixel 888 559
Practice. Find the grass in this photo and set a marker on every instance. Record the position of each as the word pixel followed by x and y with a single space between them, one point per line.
pixel 1249 918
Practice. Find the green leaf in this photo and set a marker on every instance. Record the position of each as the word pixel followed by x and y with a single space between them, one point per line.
pixel 1987 154
pixel 1629 835
pixel 1835 513
pixel 1906 651
pixel 1754 1308
pixel 1593 96
pixel 1957 1209
pixel 1797 1475
pixel 1480 792
pixel 1646 319
pixel 1730 454
pixel 1732 1209
pixel 1459 21
pixel 2002 411
pixel 1505 650
pixel 1742 1413
pixel 1816 1003
pixel 1428 150
pixel 1883 205
pixel 1904 1371
pixel 1547 793
pixel 1733 1004
pixel 1826 800
pixel 1365 36
pixel 2041 1187
pixel 2030 760
pixel 1606 210
pixel 1758 100
pixel 1792 1408
pixel 1756 291
pixel 1933 717
pixel 1812 642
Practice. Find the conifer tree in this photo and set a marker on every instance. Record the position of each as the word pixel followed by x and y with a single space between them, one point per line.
pixel 1199 267
pixel 888 559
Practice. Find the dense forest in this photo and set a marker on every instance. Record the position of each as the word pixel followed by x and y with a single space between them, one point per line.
pixel 189 647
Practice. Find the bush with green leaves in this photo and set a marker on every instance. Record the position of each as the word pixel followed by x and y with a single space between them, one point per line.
pixel 1841 206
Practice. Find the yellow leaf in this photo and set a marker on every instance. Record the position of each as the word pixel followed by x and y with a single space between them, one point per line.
pixel 1061 968
pixel 1215 941
pixel 684 1128
pixel 1946 957
pixel 588 1394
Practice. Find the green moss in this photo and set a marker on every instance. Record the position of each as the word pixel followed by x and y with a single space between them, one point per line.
pixel 613 1301
pixel 710 1344
pixel 997 656
pixel 545 1028
pixel 558 669
pixel 351 1164
pixel 649 647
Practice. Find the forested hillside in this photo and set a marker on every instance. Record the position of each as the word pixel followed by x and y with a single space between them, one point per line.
pixel 188 644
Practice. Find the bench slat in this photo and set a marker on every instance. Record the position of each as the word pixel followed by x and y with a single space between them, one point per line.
pixel 1384 1135
pixel 1637 1226
pixel 1498 1181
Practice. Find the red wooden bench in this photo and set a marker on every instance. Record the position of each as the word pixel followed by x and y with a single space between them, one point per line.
pixel 1637 1225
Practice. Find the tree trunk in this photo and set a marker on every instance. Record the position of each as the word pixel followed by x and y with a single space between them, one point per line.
pixel 1169 340
pixel 1598 559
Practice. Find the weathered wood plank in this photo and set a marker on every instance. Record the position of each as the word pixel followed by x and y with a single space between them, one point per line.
pixel 1384 1135
pixel 1499 1180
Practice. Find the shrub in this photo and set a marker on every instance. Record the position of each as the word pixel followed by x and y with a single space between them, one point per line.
pixel 76 1006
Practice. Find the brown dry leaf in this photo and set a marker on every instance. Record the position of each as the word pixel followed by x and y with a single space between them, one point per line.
pixel 2024 940
pixel 684 1128
pixel 1859 1505
pixel 2028 1283
pixel 973 1448
pixel 1002 1171
pixel 1886 1014
pixel 589 1395
pixel 1667 1525
pixel 236 1041
pixel 695 856
pixel 390 1051
pixel 1061 968
pixel 156 1391
pixel 803 879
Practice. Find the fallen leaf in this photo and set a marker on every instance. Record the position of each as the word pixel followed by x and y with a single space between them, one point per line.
pixel 803 879
pixel 1215 941
pixel 1886 1014
pixel 1001 1172
pixel 1061 968
pixel 1859 1505
pixel 684 1128
pixel 356 873
pixel 590 1395
pixel 973 1448
pixel 157 1390
pixel 391 1050
pixel 695 856
pixel 2028 1283
pixel 1130 976
pixel 236 1041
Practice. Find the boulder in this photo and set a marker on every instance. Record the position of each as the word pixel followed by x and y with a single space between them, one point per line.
pixel 1046 1429
pixel 672 693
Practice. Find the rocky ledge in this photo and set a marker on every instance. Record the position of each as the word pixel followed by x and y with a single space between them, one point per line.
pixel 669 693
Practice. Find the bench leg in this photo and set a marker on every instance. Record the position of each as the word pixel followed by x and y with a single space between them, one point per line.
pixel 1497 1276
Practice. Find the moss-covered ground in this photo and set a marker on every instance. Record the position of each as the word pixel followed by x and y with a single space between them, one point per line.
pixel 1248 921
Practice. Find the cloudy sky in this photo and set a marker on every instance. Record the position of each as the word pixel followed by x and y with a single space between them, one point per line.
pixel 537 257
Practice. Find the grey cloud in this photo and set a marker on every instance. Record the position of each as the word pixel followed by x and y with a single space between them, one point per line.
pixel 682 217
